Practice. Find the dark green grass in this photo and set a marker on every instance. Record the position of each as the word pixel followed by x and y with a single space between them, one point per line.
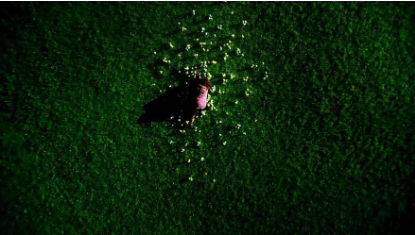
pixel 325 144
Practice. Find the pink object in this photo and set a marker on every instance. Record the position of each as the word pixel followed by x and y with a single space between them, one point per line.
pixel 203 91
pixel 202 97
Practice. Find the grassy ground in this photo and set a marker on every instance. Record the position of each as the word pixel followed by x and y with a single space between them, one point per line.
pixel 310 128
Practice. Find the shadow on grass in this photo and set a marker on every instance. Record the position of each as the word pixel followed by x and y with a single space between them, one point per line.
pixel 176 105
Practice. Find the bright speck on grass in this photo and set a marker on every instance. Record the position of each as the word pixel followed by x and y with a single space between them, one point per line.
pixel 191 178
pixel 202 159
pixel 188 161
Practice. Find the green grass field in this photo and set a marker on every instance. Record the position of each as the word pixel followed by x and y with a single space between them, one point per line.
pixel 309 130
